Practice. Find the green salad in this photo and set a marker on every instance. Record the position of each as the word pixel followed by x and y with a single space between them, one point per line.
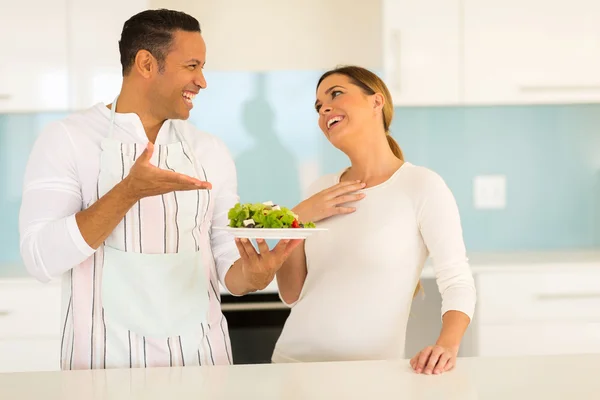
pixel 264 215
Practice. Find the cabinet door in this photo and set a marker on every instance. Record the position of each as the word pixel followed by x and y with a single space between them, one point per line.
pixel 538 339
pixel 29 309
pixel 28 355
pixel 569 294
pixel 94 32
pixel 421 51
pixel 33 70
pixel 531 51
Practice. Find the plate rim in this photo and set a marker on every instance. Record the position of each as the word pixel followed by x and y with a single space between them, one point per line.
pixel 271 233
pixel 269 229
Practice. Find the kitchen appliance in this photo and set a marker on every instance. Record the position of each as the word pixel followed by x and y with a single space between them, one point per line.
pixel 255 323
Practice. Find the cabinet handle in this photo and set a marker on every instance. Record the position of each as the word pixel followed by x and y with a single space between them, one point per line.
pixel 5 96
pixel 559 88
pixel 567 296
pixel 396 44
pixel 270 305
pixel 4 313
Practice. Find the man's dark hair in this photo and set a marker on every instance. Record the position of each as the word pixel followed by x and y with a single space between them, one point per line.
pixel 152 30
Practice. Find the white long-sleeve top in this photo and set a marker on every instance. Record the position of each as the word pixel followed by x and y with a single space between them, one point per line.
pixel 363 271
pixel 61 178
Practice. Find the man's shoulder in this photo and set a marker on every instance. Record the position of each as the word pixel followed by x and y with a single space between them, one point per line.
pixel 200 139
pixel 85 116
pixel 80 124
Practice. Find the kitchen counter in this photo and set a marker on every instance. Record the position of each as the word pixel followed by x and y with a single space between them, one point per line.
pixel 548 378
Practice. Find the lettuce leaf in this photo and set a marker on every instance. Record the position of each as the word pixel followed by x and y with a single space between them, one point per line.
pixel 264 216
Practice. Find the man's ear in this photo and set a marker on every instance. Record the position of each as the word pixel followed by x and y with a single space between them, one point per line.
pixel 145 63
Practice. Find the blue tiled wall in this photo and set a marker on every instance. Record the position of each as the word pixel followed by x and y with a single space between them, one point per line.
pixel 550 155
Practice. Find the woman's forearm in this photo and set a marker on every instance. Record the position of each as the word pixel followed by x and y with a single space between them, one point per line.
pixel 454 326
pixel 291 276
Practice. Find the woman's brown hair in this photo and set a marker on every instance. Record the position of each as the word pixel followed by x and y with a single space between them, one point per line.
pixel 370 84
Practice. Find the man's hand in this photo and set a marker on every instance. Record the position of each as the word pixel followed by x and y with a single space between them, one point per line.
pixel 144 179
pixel 257 269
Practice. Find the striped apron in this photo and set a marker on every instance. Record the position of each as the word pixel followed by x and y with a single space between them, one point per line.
pixel 148 296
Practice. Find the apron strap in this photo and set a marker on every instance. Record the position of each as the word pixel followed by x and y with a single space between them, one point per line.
pixel 113 112
pixel 196 164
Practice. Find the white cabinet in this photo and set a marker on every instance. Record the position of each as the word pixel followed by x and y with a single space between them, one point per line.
pixel 531 51
pixel 538 311
pixel 29 355
pixel 59 55
pixel 30 326
pixel 94 31
pixel 33 66
pixel 550 338
pixel 486 52
pixel 422 51
pixel 270 35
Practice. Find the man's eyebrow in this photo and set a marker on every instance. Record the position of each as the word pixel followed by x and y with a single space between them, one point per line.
pixel 195 60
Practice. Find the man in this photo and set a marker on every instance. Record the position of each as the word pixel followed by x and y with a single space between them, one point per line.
pixel 119 201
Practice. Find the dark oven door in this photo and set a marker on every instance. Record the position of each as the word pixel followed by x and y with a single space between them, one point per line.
pixel 255 323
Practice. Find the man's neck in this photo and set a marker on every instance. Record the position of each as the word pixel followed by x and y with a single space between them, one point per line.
pixel 131 101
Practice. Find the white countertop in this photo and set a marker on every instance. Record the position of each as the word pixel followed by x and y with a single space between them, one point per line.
pixel 547 378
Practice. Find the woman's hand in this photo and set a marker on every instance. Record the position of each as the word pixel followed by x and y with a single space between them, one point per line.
pixel 434 359
pixel 328 202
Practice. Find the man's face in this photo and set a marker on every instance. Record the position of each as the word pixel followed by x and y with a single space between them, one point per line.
pixel 174 87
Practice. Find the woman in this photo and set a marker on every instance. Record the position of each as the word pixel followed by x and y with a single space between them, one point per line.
pixel 350 289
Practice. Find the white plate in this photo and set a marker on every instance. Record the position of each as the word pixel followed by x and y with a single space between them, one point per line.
pixel 270 233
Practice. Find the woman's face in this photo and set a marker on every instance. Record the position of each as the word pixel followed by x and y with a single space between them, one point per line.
pixel 345 111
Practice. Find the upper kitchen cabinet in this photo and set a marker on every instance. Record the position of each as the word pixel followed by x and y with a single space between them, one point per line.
pixel 94 29
pixel 269 35
pixel 421 51
pixel 531 51
pixel 33 70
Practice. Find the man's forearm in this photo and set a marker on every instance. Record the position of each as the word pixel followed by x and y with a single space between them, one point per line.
pixel 98 221
pixel 454 325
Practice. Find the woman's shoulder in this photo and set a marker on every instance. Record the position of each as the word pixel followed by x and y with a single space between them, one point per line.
pixel 421 180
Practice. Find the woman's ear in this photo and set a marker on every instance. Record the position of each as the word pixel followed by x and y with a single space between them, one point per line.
pixel 378 102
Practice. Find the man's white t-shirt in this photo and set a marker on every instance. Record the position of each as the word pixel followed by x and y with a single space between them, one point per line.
pixel 363 271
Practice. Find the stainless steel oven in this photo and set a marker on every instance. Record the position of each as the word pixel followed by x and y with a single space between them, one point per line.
pixel 255 323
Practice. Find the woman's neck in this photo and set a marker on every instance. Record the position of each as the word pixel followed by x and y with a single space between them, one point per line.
pixel 371 163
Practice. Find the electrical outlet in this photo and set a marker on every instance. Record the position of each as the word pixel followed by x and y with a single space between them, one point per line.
pixel 489 192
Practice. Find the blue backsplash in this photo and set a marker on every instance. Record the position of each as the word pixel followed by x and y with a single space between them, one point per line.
pixel 549 154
